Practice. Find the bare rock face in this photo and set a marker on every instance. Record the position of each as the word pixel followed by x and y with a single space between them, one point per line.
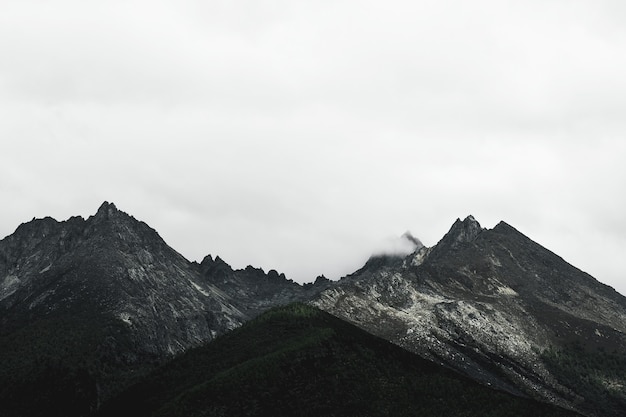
pixel 115 266
pixel 91 301
pixel 494 305
pixel 86 304
pixel 252 290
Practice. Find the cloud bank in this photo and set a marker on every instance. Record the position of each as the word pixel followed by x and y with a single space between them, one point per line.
pixel 297 135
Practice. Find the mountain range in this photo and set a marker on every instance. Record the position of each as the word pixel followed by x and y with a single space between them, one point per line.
pixel 96 313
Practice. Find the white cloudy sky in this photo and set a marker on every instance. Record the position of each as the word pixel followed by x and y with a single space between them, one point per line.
pixel 302 135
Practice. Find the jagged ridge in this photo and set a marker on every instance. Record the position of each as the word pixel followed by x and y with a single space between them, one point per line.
pixel 112 282
pixel 494 305
pixel 109 291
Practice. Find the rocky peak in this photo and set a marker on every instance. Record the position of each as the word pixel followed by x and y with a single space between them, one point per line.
pixel 505 228
pixel 494 305
pixel 412 239
pixel 106 210
pixel 466 230
pixel 461 232
pixel 321 279
pixel 36 228
pixel 393 253
pixel 115 227
pixel 274 275
pixel 108 213
pixel 209 263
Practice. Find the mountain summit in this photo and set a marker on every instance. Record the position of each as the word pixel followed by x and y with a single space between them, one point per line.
pixel 461 232
pixel 415 241
pixel 501 309
pixel 109 293
pixel 89 306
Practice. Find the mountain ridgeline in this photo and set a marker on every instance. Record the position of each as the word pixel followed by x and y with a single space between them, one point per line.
pixel 95 302
pixel 498 307
pixel 99 316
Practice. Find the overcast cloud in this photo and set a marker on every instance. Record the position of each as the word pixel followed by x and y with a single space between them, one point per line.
pixel 298 136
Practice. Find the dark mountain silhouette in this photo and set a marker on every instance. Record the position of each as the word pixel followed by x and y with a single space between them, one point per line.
pixel 94 302
pixel 300 361
pixel 501 309
pixel 89 307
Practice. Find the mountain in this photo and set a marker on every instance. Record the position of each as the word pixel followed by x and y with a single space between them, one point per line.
pixel 111 264
pixel 94 302
pixel 90 307
pixel 254 291
pixel 298 360
pixel 501 309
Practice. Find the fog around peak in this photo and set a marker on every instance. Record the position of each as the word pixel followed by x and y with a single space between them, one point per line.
pixel 398 246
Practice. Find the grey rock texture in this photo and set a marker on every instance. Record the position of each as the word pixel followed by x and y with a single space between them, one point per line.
pixel 491 304
pixel 252 290
pixel 488 303
pixel 116 267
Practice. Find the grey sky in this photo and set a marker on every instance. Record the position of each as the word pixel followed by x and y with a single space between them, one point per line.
pixel 301 136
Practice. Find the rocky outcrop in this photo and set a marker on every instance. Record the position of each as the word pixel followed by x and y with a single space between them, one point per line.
pixel 86 305
pixel 252 290
pixel 112 265
pixel 489 303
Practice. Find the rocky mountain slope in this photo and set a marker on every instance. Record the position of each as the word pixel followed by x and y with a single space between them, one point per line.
pixel 88 306
pixel 299 361
pixel 109 292
pixel 501 309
